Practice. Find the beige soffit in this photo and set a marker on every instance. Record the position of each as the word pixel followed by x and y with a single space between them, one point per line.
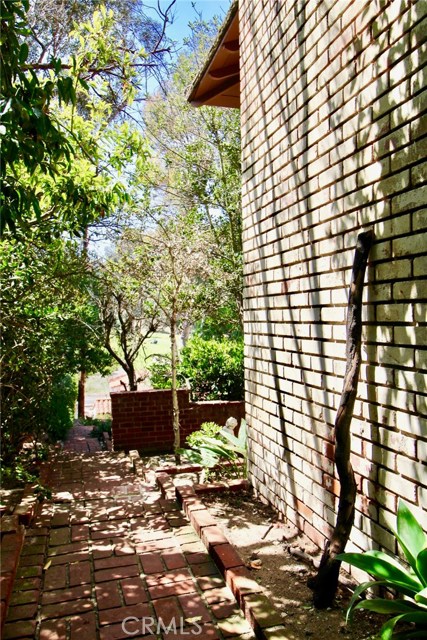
pixel 218 83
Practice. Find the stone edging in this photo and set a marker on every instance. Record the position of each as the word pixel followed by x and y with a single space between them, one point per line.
pixel 12 540
pixel 258 610
pixel 12 532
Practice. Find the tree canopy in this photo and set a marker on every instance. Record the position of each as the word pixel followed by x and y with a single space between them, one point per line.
pixel 58 145
pixel 81 153
pixel 66 85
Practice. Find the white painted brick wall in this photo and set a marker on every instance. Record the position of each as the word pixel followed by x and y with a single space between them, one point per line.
pixel 334 142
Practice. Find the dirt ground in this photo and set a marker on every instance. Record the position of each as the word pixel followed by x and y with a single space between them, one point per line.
pixel 282 561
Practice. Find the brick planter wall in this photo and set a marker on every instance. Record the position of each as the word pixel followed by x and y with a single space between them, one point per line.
pixel 143 419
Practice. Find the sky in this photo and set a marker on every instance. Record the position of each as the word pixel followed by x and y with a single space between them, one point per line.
pixel 184 13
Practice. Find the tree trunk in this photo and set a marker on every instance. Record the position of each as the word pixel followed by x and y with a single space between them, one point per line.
pixel 175 403
pixel 130 372
pixel 81 396
pixel 324 584
pixel 82 379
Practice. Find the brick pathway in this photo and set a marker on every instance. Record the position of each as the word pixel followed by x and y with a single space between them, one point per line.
pixel 108 558
pixel 79 440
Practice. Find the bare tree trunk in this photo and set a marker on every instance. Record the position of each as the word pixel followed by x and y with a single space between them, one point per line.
pixel 81 396
pixel 130 372
pixel 324 584
pixel 175 403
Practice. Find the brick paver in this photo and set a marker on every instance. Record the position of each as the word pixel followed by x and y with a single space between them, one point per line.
pixel 108 557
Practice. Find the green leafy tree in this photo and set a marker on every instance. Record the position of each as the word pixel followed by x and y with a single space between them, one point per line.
pixel 58 142
pixel 31 136
pixel 196 167
pixel 65 152
pixel 46 318
pixel 178 278
pixel 129 316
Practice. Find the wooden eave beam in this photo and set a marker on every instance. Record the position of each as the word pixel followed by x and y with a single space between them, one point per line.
pixel 231 45
pixel 213 93
pixel 225 72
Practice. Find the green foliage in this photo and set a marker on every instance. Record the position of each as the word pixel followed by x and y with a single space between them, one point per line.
pixel 217 450
pixel 214 368
pixel 160 372
pixel 210 429
pixel 100 426
pixel 59 139
pixel 196 160
pixel 220 324
pixel 64 152
pixel 129 317
pixel 25 471
pixel 48 333
pixel 59 411
pixel 389 572
pixel 30 135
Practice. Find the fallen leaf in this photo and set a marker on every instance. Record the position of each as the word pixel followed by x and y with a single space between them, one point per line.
pixel 192 620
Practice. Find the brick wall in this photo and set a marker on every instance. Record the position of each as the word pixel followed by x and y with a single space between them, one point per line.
pixel 334 142
pixel 143 419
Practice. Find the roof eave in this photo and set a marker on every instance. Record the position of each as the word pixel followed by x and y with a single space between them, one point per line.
pixel 230 77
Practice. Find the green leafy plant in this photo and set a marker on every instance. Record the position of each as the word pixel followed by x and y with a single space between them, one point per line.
pixel 160 372
pixel 26 470
pixel 209 429
pixel 221 454
pixel 389 572
pixel 59 411
pixel 214 368
pixel 100 426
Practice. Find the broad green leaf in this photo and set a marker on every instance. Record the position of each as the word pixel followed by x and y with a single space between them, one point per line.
pixel 421 566
pixel 410 534
pixel 242 436
pixel 202 456
pixel 357 592
pixel 421 597
pixel 418 618
pixel 383 566
pixel 239 443
pixel 381 605
pixel 230 437
pixel 208 458
pixel 387 629
pixel 214 445
pixel 23 52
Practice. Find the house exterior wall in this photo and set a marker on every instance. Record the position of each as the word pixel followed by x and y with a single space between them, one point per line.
pixel 334 143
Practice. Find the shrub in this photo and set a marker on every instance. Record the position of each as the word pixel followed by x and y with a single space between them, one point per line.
pixel 59 410
pixel 214 368
pixel 160 372
pixel 100 426
pixel 209 429
pixel 389 572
